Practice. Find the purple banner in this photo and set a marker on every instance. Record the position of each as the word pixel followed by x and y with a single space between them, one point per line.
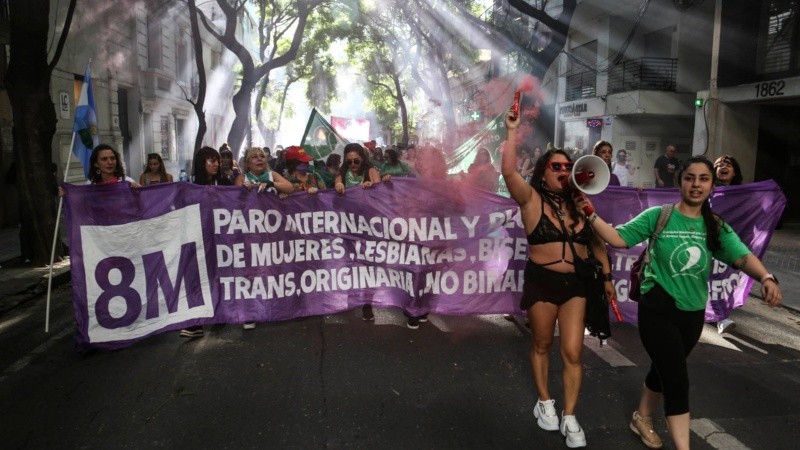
pixel 167 256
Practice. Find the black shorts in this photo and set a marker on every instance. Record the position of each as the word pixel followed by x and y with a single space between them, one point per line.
pixel 544 285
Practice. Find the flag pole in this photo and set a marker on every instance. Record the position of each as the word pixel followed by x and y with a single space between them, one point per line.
pixel 55 240
pixel 86 89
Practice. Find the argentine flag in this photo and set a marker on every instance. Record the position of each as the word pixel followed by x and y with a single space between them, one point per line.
pixel 85 124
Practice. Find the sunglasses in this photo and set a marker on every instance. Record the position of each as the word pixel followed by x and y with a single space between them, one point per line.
pixel 559 166
pixel 723 163
pixel 353 162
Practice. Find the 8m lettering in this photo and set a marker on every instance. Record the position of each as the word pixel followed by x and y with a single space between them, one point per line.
pixel 156 277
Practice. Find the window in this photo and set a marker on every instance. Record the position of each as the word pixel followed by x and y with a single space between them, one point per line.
pixel 165 138
pixel 183 63
pixel 180 147
pixel 153 42
pixel 582 77
pixel 777 46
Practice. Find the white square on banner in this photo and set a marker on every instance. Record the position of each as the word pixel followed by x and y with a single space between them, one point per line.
pixel 145 275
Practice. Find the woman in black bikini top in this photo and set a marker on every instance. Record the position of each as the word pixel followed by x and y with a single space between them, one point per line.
pixel 552 292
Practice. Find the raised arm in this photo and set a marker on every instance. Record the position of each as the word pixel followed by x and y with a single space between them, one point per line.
pixel 519 190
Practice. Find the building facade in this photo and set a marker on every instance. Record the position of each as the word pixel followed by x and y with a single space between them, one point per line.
pixel 752 106
pixel 631 79
pixel 143 75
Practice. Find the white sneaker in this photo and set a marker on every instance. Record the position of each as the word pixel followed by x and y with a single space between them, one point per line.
pixel 725 325
pixel 545 411
pixel 249 325
pixel 572 431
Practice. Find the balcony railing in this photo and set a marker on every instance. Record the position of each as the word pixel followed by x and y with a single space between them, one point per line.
pixel 581 85
pixel 647 74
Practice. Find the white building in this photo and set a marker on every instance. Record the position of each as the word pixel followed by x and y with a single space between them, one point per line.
pixel 143 71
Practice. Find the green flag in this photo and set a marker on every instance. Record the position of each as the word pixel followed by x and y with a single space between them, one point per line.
pixel 320 139
pixel 489 137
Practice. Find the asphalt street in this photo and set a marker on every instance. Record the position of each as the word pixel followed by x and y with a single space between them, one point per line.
pixel 339 382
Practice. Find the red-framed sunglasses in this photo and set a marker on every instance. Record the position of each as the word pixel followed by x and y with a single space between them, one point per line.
pixel 556 166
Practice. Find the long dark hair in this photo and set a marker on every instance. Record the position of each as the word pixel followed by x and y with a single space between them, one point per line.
pixel 713 222
pixel 390 155
pixel 737 177
pixel 162 171
pixel 362 155
pixel 537 182
pixel 199 166
pixel 94 172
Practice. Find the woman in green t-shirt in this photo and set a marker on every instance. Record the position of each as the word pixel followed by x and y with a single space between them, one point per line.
pixel 356 170
pixel 393 166
pixel 675 291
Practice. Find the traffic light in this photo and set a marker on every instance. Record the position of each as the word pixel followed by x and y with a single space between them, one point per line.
pixel 698 103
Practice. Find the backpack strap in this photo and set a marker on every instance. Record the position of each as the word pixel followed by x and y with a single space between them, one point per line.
pixel 661 223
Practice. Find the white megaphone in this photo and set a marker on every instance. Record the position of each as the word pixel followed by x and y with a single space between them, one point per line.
pixel 590 175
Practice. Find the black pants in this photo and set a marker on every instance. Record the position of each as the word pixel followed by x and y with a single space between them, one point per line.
pixel 668 335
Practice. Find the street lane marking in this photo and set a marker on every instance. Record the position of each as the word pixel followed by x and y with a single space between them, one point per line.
pixel 711 336
pixel 607 353
pixel 747 344
pixel 715 435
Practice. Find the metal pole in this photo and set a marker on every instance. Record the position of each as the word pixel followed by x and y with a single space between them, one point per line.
pixel 55 237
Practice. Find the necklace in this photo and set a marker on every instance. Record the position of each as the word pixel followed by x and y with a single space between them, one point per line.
pixel 556 201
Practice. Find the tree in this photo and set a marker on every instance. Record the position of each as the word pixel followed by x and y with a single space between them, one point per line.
pixel 550 31
pixel 282 18
pixel 377 49
pixel 198 103
pixel 28 84
pixel 313 64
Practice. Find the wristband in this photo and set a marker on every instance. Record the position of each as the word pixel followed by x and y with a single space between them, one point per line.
pixel 590 220
pixel 769 276
pixel 607 277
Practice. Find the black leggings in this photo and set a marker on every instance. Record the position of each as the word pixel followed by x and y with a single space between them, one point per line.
pixel 668 335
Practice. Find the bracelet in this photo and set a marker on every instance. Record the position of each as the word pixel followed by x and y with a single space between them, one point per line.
pixel 607 277
pixel 590 220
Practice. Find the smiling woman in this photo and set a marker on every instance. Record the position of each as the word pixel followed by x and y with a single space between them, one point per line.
pixel 728 171
pixel 675 291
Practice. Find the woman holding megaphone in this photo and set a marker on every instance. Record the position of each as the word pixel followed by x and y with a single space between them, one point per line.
pixel 552 292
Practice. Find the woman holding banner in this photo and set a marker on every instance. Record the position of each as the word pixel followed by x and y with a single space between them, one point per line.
pixel 206 170
pixel 259 175
pixel 356 170
pixel 552 290
pixel 675 291
pixel 107 167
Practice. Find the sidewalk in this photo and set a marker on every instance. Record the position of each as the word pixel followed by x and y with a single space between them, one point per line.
pixel 783 260
pixel 19 282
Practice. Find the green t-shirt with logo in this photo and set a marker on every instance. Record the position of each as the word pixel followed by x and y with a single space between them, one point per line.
pixel 680 260
pixel 400 169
